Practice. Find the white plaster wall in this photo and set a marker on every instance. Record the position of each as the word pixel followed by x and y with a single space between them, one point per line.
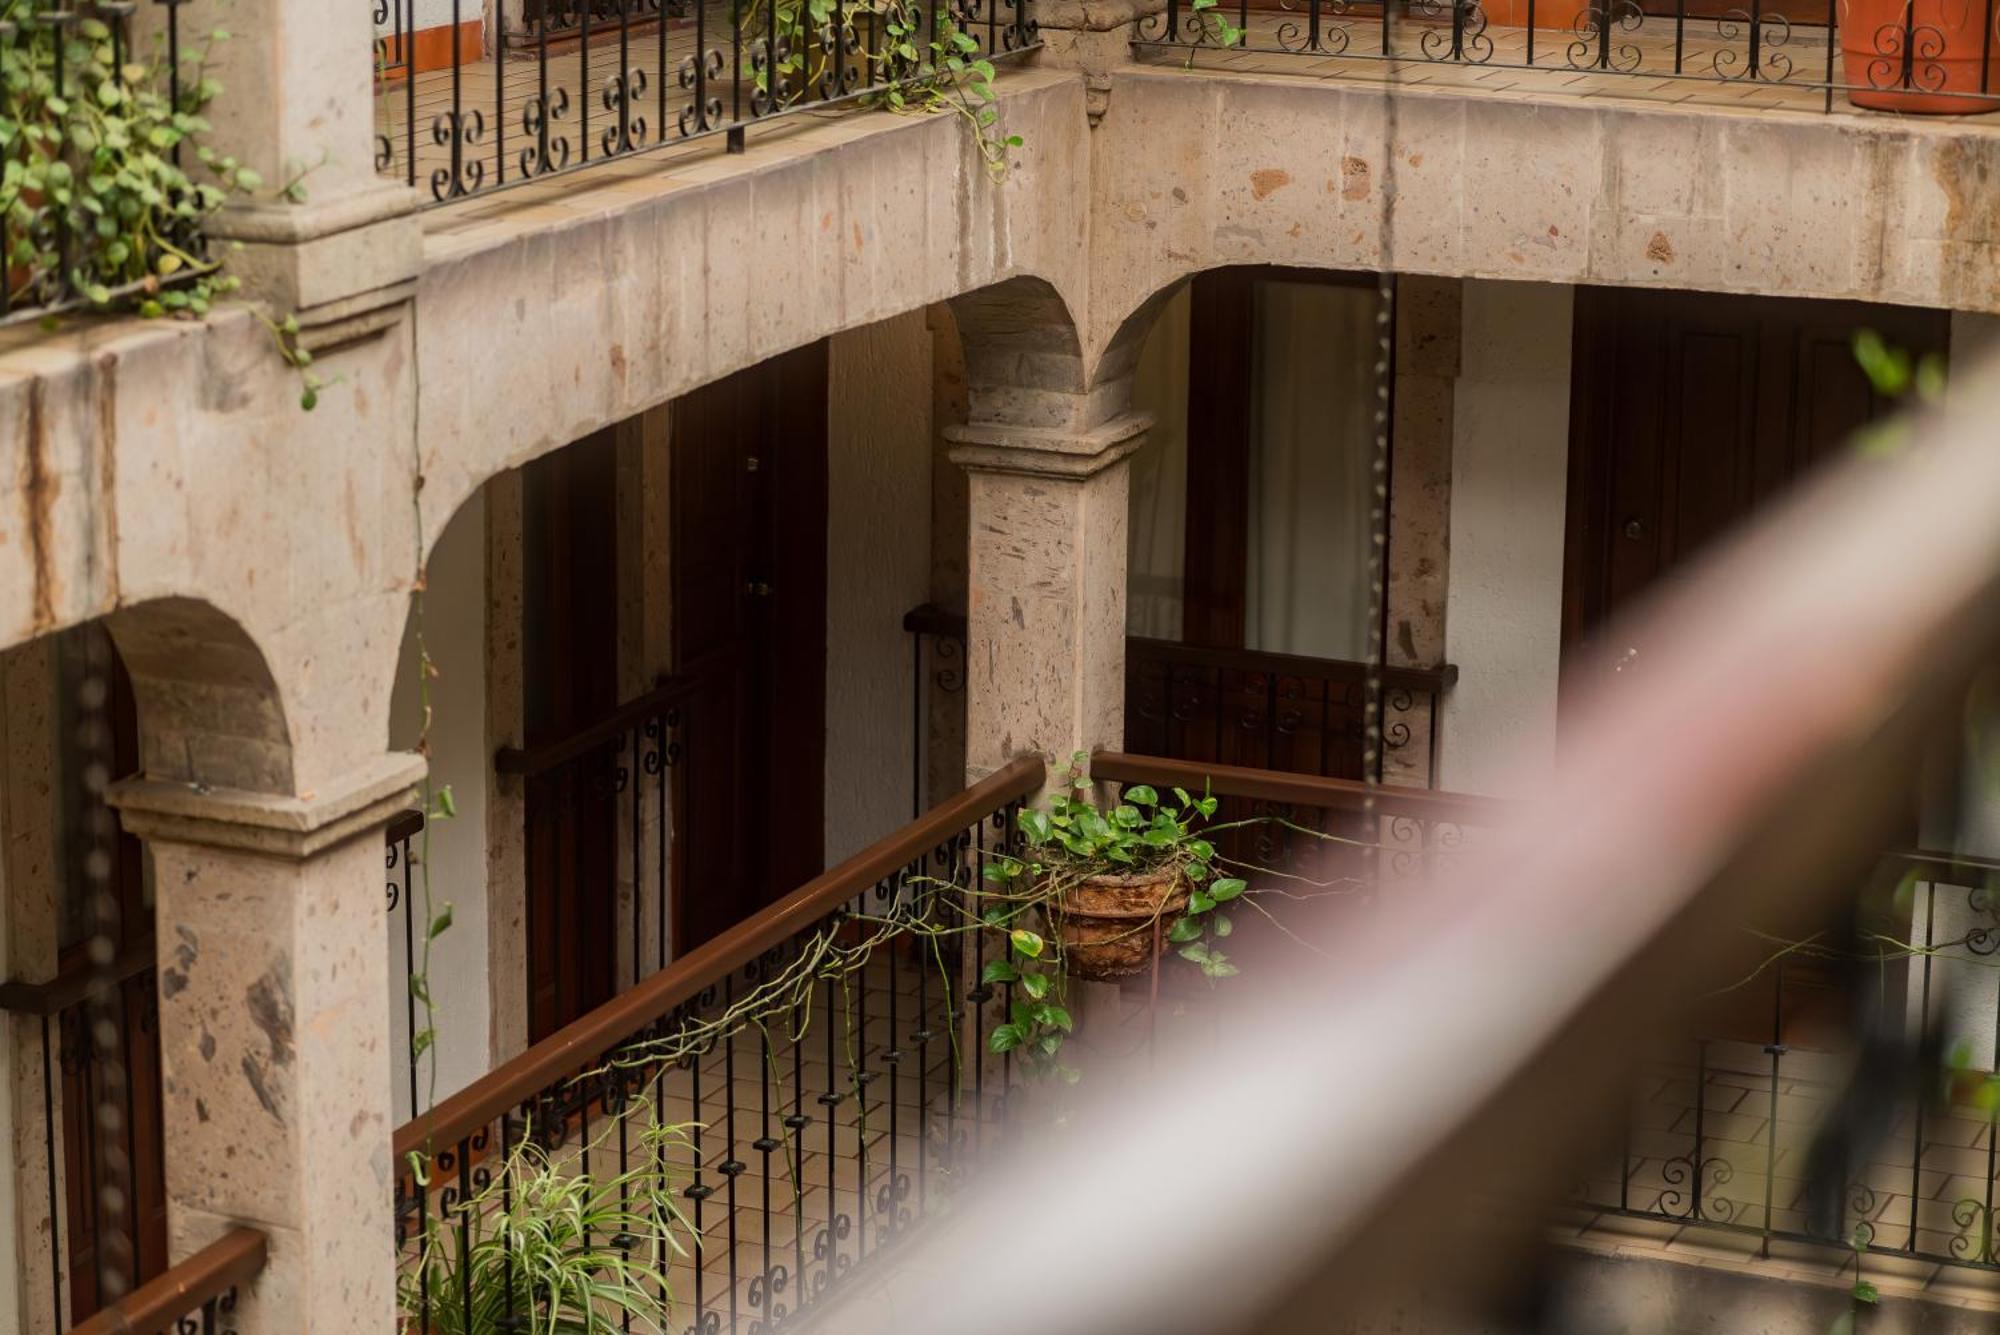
pixel 879 442
pixel 422 14
pixel 455 633
pixel 1510 459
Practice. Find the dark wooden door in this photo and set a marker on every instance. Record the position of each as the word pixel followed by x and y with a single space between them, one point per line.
pixel 570 682
pixel 748 493
pixel 1688 411
pixel 94 1154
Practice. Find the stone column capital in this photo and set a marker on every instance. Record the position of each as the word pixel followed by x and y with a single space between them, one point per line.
pixel 294 828
pixel 981 447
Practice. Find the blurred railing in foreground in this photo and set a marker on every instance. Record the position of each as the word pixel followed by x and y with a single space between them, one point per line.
pixel 196 1297
pixel 1477 1030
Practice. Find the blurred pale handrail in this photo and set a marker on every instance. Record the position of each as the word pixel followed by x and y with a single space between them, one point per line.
pixel 1472 1036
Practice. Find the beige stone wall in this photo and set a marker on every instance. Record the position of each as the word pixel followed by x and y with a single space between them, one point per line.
pixel 1189 174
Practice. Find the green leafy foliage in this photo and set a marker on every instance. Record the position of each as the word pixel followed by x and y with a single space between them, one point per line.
pixel 571 1253
pixel 1899 377
pixel 106 180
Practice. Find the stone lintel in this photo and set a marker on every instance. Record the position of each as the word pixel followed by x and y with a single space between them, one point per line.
pixel 283 827
pixel 1039 452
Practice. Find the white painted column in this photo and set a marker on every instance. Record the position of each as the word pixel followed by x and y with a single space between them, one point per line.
pixel 1509 481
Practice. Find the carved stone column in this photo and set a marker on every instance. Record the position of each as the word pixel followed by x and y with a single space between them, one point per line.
pixel 274 1027
pixel 1045 612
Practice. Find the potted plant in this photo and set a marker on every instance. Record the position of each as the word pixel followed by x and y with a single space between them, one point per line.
pixel 1118 884
pixel 1923 56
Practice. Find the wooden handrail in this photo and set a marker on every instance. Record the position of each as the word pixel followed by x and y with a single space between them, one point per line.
pixel 539 759
pixel 405 825
pixel 1304 790
pixel 584 1040
pixel 158 1305
pixel 79 984
pixel 1432 681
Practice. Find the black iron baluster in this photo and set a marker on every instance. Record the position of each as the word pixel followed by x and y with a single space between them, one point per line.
pixel 1986 51
pixel 765 1143
pixel 1700 1110
pixel 1386 7
pixel 1832 47
pixel 701 64
pixel 1776 1049
pixel 1606 18
pixel 977 992
pixel 1909 79
pixel 410 92
pixel 922 1036
pixel 892 1057
pixel 507 1207
pixel 1992 1150
pixel 731 1167
pixel 1680 33
pixel 583 84
pixel 660 134
pixel 457 102
pixel 638 851
pixel 859 1055
pixel 697 1191
pixel 830 1099
pixel 796 1125
pixel 499 18
pixel 1434 726
pixel 465 1231
pixel 1923 1021
pixel 623 83
pixel 1756 36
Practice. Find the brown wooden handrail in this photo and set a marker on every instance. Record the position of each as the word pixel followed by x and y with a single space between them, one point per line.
pixel 79 984
pixel 584 1040
pixel 538 759
pixel 1305 790
pixel 158 1305
pixel 1431 681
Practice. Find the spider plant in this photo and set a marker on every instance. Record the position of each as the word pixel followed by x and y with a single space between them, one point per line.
pixel 558 1251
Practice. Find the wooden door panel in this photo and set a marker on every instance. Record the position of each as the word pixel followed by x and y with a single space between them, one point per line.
pixel 748 498
pixel 1689 410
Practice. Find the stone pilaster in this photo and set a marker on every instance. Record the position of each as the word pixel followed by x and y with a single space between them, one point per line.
pixel 274 1030
pixel 1045 613
pixel 342 250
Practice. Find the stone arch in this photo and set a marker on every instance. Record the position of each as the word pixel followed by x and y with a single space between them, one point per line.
pixel 210 711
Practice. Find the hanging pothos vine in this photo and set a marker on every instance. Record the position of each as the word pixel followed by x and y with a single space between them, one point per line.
pixel 105 176
pixel 536 1238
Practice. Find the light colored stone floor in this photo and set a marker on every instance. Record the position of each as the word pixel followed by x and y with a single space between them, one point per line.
pixel 1920 1187
pixel 1712 59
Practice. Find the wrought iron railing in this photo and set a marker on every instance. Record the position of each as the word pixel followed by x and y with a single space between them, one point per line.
pixel 1759 1124
pixel 602 815
pixel 1899 55
pixel 196 1297
pixel 794 1146
pixel 490 100
pixel 1763 1125
pixel 1287 712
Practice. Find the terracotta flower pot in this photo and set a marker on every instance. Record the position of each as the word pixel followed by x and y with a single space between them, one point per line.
pixel 1919 56
pixel 1114 926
